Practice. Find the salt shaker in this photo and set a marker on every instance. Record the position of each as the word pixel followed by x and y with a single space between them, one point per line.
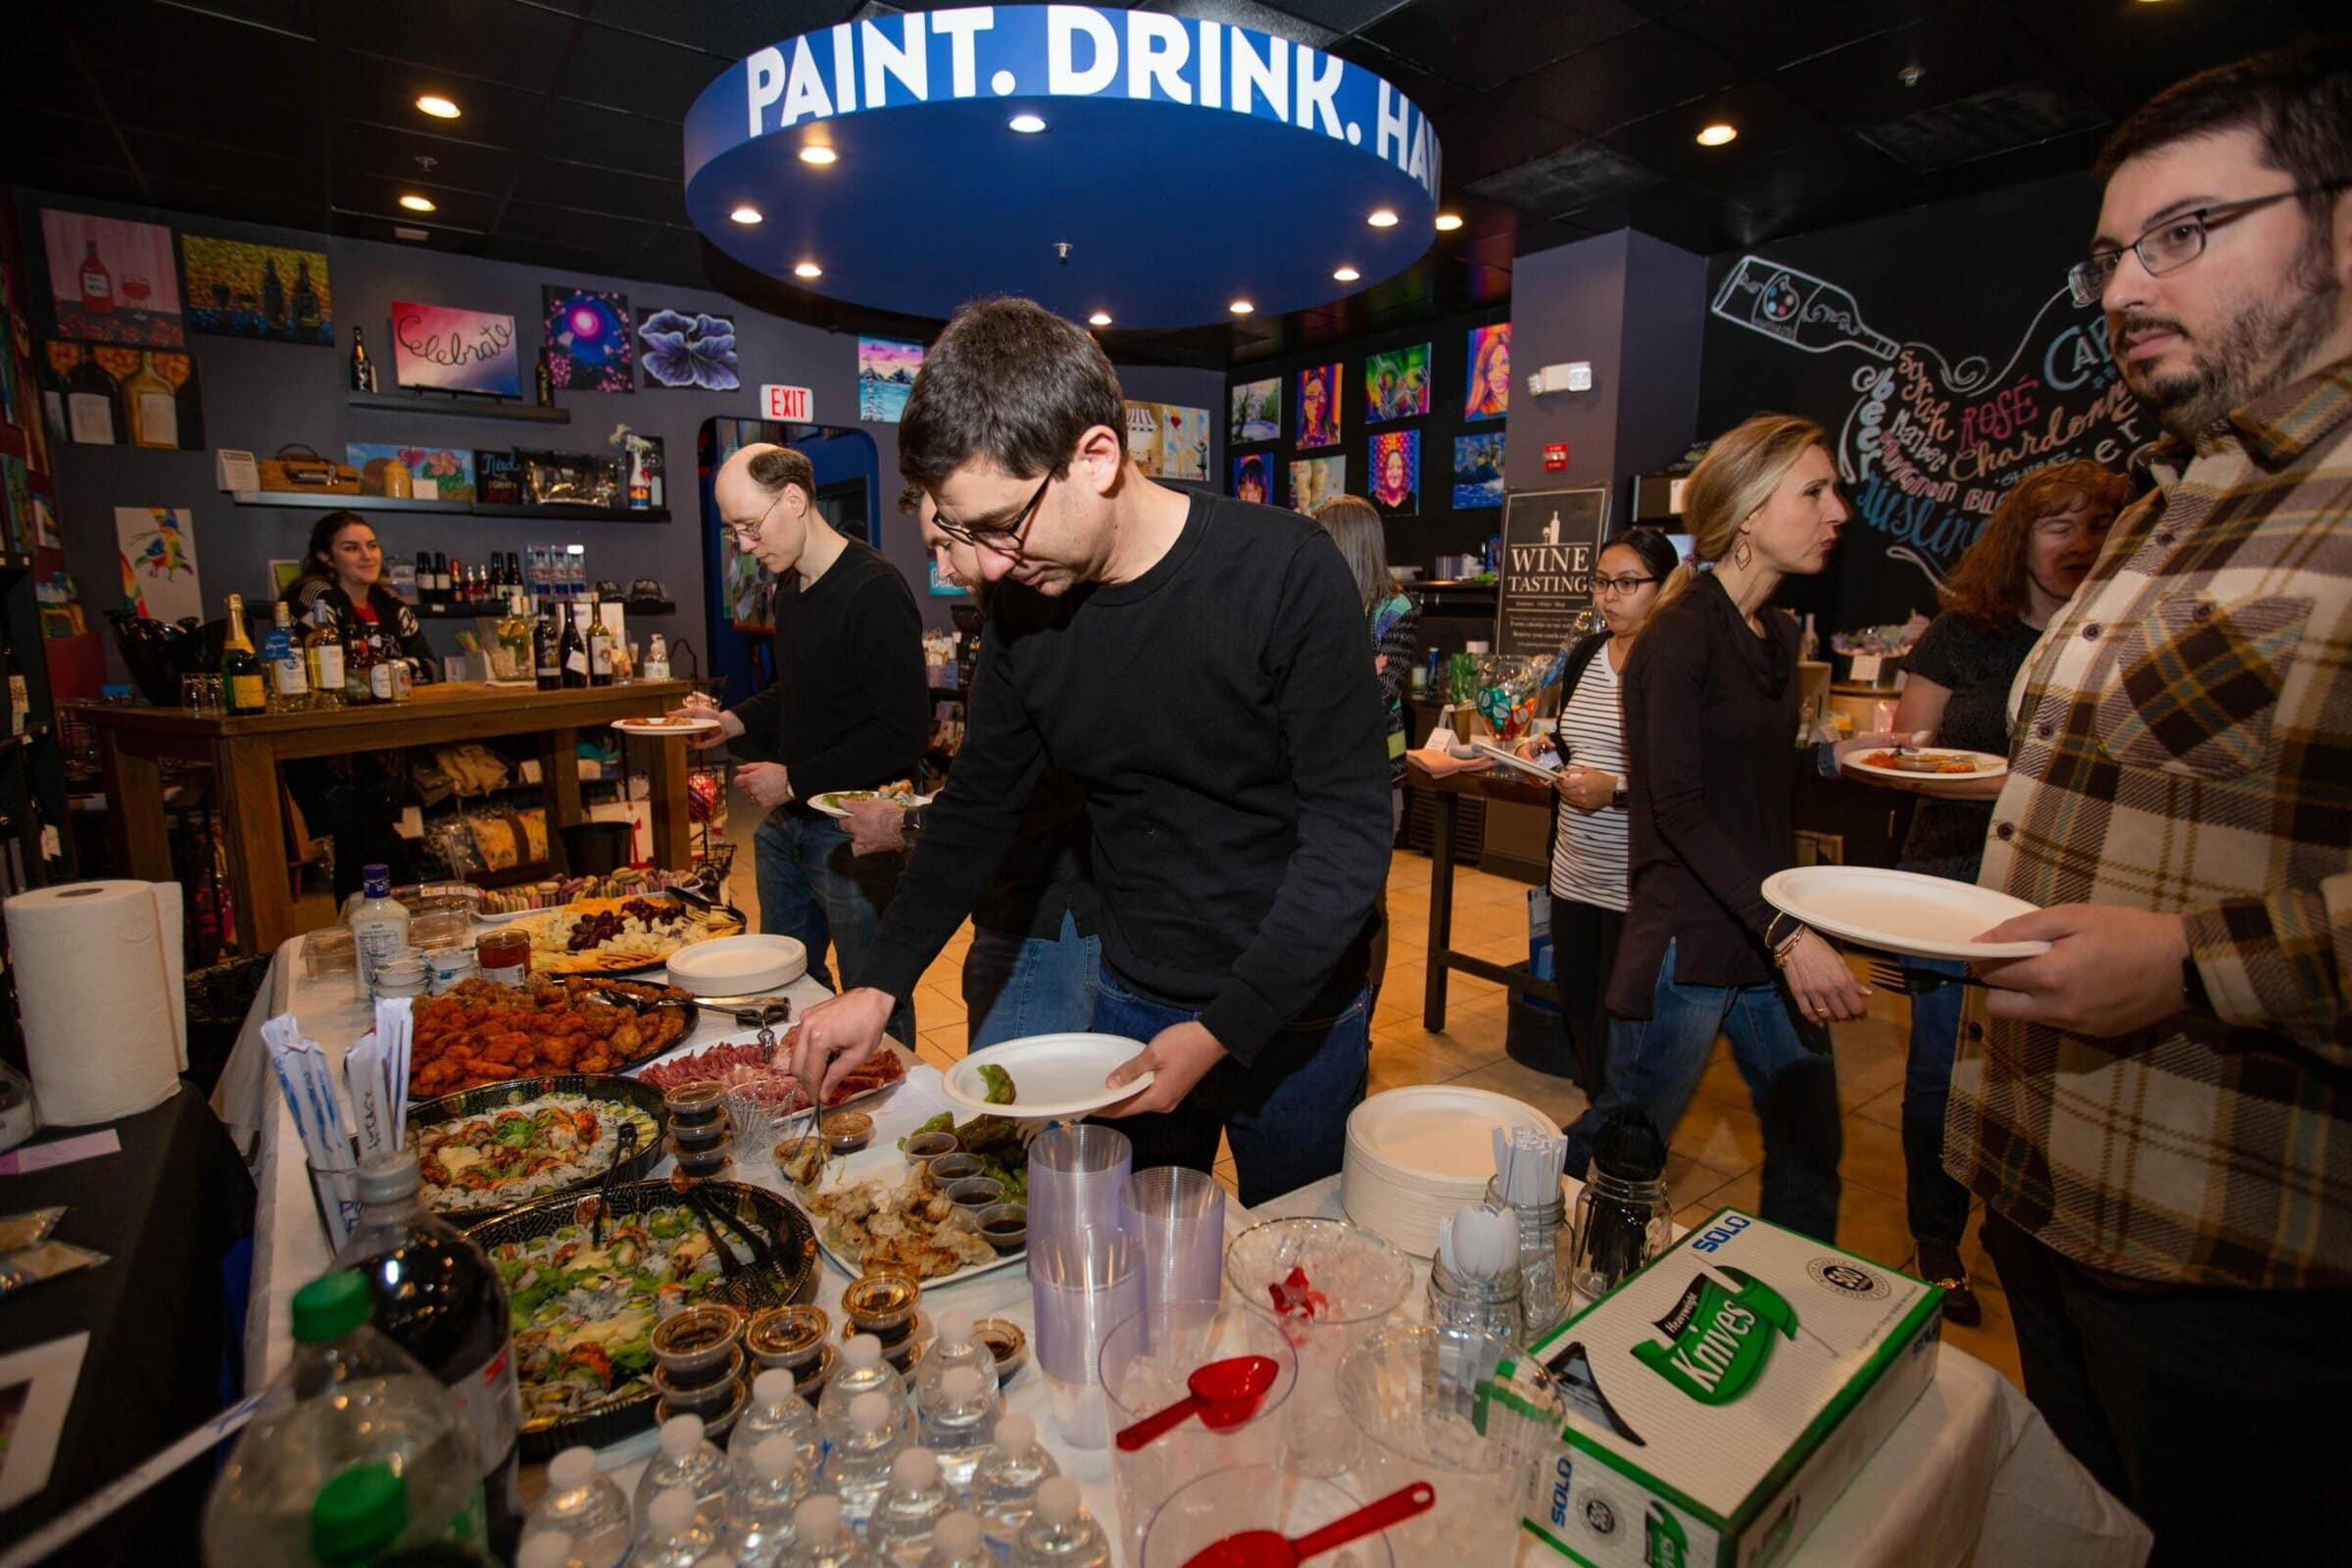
pixel 1623 1218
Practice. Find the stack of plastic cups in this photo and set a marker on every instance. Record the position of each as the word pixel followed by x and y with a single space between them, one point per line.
pixel 1077 1181
pixel 1178 1217
pixel 1085 1270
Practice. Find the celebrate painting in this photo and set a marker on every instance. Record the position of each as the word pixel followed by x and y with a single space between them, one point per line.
pixel 440 348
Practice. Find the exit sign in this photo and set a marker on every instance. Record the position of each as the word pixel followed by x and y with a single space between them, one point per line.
pixel 784 402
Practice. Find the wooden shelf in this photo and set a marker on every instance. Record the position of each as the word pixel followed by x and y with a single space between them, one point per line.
pixel 463 407
pixel 313 501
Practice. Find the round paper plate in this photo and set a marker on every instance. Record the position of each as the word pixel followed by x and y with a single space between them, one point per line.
pixel 1899 911
pixel 738 966
pixel 1439 1131
pixel 1988 766
pixel 1052 1075
pixel 647 729
pixel 830 802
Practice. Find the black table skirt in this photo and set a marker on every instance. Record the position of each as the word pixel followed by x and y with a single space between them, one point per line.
pixel 165 1210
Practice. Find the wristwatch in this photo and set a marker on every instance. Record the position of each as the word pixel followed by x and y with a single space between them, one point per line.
pixel 1621 797
pixel 1825 757
pixel 910 825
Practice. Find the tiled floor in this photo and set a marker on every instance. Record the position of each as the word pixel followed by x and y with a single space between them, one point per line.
pixel 1715 1157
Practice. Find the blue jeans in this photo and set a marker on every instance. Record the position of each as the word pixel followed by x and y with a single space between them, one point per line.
pixel 1286 1116
pixel 1790 1074
pixel 812 887
pixel 1015 987
pixel 1935 1204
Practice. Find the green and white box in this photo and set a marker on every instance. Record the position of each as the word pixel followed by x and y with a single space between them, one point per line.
pixel 1720 1399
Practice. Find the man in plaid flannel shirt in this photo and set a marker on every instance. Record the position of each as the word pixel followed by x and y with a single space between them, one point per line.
pixel 2155 1110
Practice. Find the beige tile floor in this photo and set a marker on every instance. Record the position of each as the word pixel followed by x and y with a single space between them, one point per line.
pixel 1715 1157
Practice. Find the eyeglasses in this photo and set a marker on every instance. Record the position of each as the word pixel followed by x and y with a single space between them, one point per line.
pixel 2174 243
pixel 746 536
pixel 1618 585
pixel 1005 540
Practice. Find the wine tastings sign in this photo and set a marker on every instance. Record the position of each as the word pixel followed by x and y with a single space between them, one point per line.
pixel 1942 373
pixel 1550 540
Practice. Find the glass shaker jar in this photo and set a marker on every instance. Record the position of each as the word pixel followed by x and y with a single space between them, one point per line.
pixel 1544 1257
pixel 1458 1302
pixel 1623 1217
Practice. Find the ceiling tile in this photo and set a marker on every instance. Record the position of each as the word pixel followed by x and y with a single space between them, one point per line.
pixel 373 195
pixel 1861 83
pixel 588 133
pixel 1565 180
pixel 499 41
pixel 304 209
pixel 1985 124
pixel 622 70
pixel 384 93
pixel 579 229
pixel 394 154
pixel 1768 34
pixel 167 42
pixel 180 160
pixel 559 183
pixel 727 32
pixel 283 119
pixel 1768 121
pixel 1834 168
pixel 1484 43
pixel 1631 77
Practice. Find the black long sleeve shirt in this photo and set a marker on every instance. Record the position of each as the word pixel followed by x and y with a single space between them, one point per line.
pixel 1226 725
pixel 1710 738
pixel 849 709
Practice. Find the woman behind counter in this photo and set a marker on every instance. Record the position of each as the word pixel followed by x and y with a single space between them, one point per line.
pixel 344 569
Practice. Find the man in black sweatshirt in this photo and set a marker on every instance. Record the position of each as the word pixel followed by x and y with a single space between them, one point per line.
pixel 848 711
pixel 1200 666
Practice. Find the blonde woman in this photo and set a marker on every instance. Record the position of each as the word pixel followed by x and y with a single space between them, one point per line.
pixel 1710 699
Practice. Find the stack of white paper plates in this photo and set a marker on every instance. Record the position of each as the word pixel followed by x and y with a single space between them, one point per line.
pixel 739 966
pixel 1415 1155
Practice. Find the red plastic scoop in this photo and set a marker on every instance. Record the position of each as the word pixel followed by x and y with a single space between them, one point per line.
pixel 1225 1394
pixel 1268 1548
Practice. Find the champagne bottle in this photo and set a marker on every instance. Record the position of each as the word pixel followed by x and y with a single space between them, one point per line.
pixel 241 685
pixel 322 652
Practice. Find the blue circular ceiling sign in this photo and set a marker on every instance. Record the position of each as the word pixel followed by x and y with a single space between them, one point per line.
pixel 1149 169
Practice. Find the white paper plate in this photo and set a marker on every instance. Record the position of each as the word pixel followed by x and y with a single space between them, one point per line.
pixel 1989 765
pixel 645 731
pixel 827 802
pixel 1054 1075
pixel 1899 911
pixel 1440 1131
pixel 739 966
pixel 1511 759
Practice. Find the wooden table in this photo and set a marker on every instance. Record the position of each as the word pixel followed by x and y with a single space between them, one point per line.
pixel 244 755
pixel 1449 790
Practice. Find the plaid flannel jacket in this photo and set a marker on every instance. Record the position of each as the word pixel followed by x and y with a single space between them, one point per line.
pixel 2182 740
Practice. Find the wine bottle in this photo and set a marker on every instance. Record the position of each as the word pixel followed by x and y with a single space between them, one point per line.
pixel 600 645
pixel 305 303
pixel 363 369
pixel 289 678
pixel 543 380
pixel 273 296
pixel 547 657
pixel 322 652
pixel 241 685
pixel 573 650
pixel 97 284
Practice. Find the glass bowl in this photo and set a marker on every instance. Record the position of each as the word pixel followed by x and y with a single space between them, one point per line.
pixel 1326 1283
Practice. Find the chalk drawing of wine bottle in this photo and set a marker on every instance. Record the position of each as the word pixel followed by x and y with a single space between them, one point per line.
pixel 1801 311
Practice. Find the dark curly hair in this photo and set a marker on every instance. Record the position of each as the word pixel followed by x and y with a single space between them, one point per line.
pixel 1013 383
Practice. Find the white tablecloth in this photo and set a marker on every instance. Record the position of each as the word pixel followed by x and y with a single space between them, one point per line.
pixel 1971 1476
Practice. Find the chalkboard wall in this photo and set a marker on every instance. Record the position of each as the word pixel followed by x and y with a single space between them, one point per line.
pixel 1940 350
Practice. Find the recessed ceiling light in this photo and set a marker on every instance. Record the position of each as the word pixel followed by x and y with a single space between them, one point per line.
pixel 816 152
pixel 417 203
pixel 1382 219
pixel 1717 134
pixel 808 269
pixel 1346 274
pixel 438 107
pixel 1449 222
pixel 1099 319
pixel 746 215
pixel 1241 306
pixel 1027 124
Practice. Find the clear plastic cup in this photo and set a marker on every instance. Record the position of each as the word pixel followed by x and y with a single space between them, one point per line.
pixel 1349 1280
pixel 1081 1284
pixel 1146 1363
pixel 1225 1503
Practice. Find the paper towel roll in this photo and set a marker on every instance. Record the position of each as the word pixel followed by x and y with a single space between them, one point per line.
pixel 94 988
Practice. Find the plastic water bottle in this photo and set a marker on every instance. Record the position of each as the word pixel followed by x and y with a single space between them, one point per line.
pixel 957 1543
pixel 588 1507
pixel 379 927
pixel 860 1369
pixel 1061 1534
pixel 549 1548
pixel 771 1486
pixel 957 1414
pixel 350 1400
pixel 675 1534
pixel 825 1540
pixel 901 1529
pixel 687 1459
pixel 858 1467
pixel 775 1411
pixel 1006 1481
pixel 954 1344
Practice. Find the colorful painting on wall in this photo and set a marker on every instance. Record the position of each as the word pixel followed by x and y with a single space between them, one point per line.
pixel 98 394
pixel 1253 477
pixel 944 586
pixel 886 370
pixel 1397 470
pixel 1168 442
pixel 157 550
pixel 1257 412
pixel 1396 383
pixel 113 279
pixel 1315 480
pixel 688 349
pixel 436 473
pixel 443 348
pixel 588 347
pixel 1320 406
pixel 1477 471
pixel 239 289
pixel 1488 396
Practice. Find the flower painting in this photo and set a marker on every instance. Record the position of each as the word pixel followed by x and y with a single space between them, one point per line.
pixel 688 349
pixel 588 347
pixel 886 370
pixel 155 547
pixel 436 473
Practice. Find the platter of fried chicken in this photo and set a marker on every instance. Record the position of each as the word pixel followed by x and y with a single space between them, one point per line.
pixel 480 1032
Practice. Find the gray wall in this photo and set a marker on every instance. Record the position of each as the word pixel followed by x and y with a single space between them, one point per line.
pixel 261 396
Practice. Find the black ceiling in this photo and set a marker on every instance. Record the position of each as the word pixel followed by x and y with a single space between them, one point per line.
pixel 1559 119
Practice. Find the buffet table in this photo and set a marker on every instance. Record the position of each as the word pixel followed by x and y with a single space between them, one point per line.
pixel 244 755
pixel 1971 1475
